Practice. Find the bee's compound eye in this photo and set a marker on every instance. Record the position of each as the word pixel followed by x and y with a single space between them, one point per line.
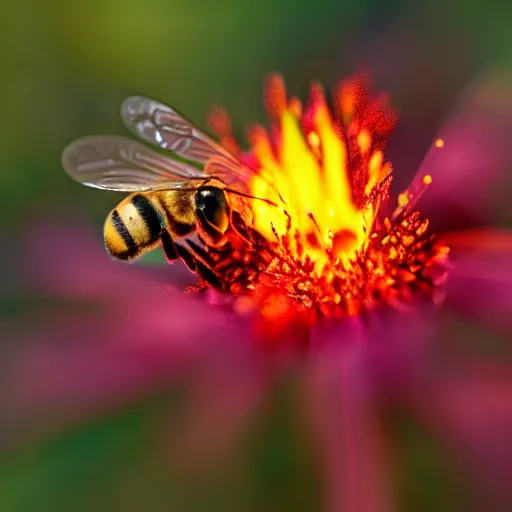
pixel 212 209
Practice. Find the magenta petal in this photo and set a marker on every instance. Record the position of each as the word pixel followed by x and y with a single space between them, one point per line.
pixel 56 378
pixel 347 433
pixel 472 412
pixel 222 400
pixel 65 366
pixel 115 333
pixel 468 169
pixel 357 367
pixel 393 345
pixel 66 259
pixel 480 284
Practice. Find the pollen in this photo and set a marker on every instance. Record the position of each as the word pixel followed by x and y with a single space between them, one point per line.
pixel 323 245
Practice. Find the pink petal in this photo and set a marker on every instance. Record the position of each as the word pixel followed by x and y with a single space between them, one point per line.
pixel 222 401
pixel 471 411
pixel 349 439
pixel 469 171
pixel 67 259
pixel 119 332
pixel 480 284
pixel 356 368
pixel 68 369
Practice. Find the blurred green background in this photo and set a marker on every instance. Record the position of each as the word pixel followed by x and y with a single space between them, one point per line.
pixel 66 67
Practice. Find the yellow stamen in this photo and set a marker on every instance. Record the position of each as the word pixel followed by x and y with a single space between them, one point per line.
pixel 314 182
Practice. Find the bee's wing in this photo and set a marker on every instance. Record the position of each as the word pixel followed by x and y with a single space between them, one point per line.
pixel 165 128
pixel 117 163
pixel 233 174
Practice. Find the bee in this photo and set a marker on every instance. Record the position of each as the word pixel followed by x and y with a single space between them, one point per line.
pixel 185 202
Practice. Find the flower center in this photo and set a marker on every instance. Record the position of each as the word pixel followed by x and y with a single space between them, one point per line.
pixel 326 248
pixel 328 176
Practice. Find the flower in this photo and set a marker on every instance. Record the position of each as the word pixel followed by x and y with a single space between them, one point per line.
pixel 384 343
pixel 328 250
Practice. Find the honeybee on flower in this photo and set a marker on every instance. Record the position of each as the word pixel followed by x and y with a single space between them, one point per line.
pixel 294 226
pixel 321 250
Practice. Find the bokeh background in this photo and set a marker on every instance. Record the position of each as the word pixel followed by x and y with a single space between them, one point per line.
pixel 66 67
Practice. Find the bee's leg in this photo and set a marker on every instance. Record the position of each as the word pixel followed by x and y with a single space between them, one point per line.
pixel 168 246
pixel 187 257
pixel 209 276
pixel 204 263
pixel 240 227
pixel 198 261
pixel 247 233
pixel 210 234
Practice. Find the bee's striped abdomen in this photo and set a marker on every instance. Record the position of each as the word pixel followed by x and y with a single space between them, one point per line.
pixel 150 216
pixel 123 234
pixel 134 227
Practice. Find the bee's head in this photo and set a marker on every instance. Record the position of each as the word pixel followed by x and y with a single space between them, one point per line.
pixel 212 211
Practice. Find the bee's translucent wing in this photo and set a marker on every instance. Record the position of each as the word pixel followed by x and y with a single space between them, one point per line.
pixel 117 163
pixel 162 126
pixel 233 174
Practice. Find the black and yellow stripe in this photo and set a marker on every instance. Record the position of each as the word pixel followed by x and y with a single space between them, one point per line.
pixel 152 219
pixel 123 233
pixel 133 228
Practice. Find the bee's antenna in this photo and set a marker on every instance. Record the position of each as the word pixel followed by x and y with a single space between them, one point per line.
pixel 232 191
pixel 236 192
